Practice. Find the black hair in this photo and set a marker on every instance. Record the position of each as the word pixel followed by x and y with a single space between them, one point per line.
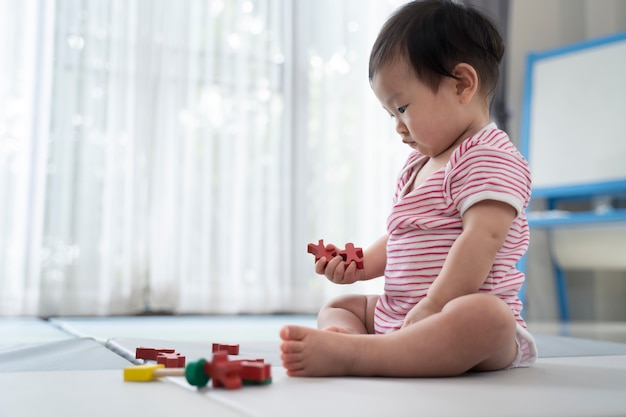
pixel 434 36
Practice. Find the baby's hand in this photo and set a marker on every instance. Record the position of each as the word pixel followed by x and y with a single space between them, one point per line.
pixel 425 308
pixel 340 267
pixel 336 271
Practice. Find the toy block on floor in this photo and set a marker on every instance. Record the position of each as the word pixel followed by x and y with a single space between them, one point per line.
pixel 256 373
pixel 171 360
pixel 194 373
pixel 352 254
pixel 231 349
pixel 150 353
pixel 225 373
pixel 142 372
pixel 320 251
pixel 247 360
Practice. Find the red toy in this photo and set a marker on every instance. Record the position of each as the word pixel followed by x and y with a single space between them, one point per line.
pixel 150 353
pixel 256 373
pixel 320 251
pixel 171 360
pixel 233 374
pixel 231 349
pixel 224 372
pixel 351 254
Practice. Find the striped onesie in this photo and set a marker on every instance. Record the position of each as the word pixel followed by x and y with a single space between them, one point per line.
pixel 425 222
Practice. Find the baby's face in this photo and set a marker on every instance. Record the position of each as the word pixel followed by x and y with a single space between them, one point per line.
pixel 428 121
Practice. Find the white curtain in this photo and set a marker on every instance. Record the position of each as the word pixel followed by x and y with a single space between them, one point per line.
pixel 178 156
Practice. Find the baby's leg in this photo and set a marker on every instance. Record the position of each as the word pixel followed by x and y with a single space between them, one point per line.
pixel 352 314
pixel 473 332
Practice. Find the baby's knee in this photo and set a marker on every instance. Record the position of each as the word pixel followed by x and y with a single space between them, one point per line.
pixel 476 308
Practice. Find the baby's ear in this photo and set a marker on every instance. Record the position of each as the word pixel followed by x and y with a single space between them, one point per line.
pixel 467 81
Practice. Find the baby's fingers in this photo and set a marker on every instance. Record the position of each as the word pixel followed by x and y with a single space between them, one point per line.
pixel 350 273
pixel 325 266
pixel 331 268
pixel 320 266
pixel 339 273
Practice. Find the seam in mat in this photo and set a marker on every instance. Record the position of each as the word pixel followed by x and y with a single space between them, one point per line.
pixel 72 331
pixel 120 350
pixel 109 344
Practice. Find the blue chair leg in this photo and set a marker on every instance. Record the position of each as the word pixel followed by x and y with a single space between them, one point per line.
pixel 561 293
pixel 560 288
pixel 521 266
pixel 559 278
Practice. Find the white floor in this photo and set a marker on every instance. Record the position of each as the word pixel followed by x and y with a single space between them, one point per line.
pixel 605 331
pixel 69 375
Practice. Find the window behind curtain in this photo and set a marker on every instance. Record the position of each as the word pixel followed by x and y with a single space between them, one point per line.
pixel 178 156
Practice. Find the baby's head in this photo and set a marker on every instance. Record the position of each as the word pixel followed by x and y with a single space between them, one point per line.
pixel 433 36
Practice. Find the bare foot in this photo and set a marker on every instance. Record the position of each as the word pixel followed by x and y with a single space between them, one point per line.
pixel 313 352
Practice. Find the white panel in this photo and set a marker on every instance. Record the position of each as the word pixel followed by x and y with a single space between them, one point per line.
pixel 577 132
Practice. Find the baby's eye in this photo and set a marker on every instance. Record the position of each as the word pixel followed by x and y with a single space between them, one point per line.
pixel 402 109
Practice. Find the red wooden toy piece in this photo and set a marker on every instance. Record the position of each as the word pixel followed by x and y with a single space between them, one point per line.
pixel 320 251
pixel 255 372
pixel 248 360
pixel 150 353
pixel 224 373
pixel 171 360
pixel 352 254
pixel 231 349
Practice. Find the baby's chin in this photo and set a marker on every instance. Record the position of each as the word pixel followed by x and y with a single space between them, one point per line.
pixel 415 146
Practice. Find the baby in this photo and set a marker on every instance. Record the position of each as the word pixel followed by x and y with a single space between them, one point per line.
pixel 457 227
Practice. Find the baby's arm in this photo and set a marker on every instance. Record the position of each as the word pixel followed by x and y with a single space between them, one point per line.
pixel 485 227
pixel 374 261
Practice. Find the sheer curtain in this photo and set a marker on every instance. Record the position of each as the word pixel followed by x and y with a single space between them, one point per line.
pixel 178 156
pixel 25 74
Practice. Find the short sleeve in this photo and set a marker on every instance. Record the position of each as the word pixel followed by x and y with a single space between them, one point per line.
pixel 488 173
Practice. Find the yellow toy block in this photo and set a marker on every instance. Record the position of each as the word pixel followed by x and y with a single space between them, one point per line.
pixel 142 372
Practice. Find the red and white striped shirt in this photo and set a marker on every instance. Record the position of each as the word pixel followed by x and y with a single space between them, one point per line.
pixel 425 222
